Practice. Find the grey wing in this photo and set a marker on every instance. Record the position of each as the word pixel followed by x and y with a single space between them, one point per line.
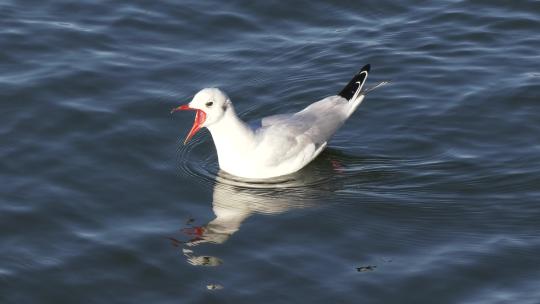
pixel 302 135
pixel 274 119
pixel 294 140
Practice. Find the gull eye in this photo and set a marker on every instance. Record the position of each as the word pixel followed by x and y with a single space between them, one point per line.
pixel 209 104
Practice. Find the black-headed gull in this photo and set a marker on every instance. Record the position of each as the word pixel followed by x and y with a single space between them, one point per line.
pixel 284 143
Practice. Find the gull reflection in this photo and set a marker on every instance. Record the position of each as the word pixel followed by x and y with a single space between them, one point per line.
pixel 232 204
pixel 202 260
pixel 234 200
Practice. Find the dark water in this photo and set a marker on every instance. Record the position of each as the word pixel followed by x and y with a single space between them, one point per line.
pixel 429 194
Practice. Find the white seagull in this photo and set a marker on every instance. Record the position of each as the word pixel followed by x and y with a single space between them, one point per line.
pixel 284 143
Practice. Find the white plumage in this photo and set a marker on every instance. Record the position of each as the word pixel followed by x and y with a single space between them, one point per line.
pixel 284 143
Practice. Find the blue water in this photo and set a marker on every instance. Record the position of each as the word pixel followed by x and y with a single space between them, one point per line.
pixel 429 194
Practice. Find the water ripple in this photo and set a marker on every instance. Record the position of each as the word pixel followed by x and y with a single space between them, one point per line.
pixel 434 179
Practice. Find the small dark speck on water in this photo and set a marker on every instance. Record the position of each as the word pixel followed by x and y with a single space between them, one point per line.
pixel 366 268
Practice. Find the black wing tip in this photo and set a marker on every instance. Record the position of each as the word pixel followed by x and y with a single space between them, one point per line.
pixel 366 68
pixel 349 90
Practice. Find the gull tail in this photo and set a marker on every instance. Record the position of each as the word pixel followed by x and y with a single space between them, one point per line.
pixel 354 88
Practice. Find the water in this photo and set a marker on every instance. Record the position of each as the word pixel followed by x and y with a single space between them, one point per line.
pixel 429 194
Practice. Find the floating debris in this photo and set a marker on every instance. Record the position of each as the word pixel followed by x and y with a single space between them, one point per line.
pixel 366 268
pixel 214 287
pixel 190 220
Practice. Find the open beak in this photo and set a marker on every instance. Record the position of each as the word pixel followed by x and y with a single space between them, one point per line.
pixel 200 117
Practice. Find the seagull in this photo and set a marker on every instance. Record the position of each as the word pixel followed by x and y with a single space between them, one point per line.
pixel 284 143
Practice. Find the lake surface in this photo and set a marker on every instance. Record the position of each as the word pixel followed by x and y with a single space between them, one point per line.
pixel 430 193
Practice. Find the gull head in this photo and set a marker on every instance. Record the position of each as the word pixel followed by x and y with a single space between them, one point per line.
pixel 210 105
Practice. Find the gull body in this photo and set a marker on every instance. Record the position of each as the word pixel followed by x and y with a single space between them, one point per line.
pixel 284 143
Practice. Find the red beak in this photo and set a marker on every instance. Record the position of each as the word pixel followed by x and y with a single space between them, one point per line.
pixel 200 117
